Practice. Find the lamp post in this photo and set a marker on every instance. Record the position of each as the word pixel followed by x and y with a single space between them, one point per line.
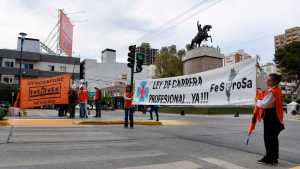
pixel 23 35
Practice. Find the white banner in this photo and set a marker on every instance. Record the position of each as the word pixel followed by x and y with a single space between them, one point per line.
pixel 227 86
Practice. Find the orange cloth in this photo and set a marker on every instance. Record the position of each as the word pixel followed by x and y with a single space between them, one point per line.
pixel 276 91
pixel 128 102
pixel 258 112
pixel 83 96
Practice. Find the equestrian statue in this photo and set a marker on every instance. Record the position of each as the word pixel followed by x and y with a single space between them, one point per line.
pixel 201 36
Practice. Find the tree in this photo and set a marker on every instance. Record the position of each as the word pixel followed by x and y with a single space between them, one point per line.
pixel 287 60
pixel 168 63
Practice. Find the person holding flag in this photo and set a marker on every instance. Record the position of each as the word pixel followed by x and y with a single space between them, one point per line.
pixel 269 108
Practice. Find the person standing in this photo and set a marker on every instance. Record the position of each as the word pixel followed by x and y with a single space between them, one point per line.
pixel 83 98
pixel 155 109
pixel 73 98
pixel 97 100
pixel 128 106
pixel 273 119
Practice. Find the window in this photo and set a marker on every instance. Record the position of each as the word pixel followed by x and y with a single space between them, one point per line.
pixel 63 68
pixel 7 79
pixel 27 66
pixel 51 68
pixel 8 64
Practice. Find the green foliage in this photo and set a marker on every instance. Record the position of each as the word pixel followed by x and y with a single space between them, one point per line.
pixel 106 100
pixel 205 110
pixel 288 61
pixel 168 62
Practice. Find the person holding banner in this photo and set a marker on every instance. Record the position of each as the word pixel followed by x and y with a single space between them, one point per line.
pixel 128 96
pixel 83 98
pixel 273 119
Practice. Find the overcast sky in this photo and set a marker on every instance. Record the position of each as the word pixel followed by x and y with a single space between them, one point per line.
pixel 237 24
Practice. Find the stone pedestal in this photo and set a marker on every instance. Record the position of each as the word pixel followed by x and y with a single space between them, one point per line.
pixel 202 59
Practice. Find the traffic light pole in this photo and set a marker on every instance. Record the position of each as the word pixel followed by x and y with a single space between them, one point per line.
pixel 131 79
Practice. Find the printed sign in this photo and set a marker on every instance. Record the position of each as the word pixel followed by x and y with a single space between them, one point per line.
pixel 230 85
pixel 44 91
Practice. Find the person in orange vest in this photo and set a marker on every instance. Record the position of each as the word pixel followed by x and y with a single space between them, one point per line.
pixel 97 99
pixel 83 98
pixel 273 119
pixel 128 96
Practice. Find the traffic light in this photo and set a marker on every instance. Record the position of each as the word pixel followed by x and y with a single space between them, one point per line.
pixel 131 56
pixel 139 62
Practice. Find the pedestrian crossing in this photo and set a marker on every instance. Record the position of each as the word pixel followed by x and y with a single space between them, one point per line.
pixel 94 148
pixel 173 165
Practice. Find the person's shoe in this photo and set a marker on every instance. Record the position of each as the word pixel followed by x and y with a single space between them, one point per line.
pixel 275 162
pixel 264 161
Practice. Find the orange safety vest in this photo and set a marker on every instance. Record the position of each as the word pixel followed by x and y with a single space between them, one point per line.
pixel 276 91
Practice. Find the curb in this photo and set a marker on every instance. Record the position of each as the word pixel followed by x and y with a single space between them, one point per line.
pixel 297 167
pixel 116 122
pixel 70 122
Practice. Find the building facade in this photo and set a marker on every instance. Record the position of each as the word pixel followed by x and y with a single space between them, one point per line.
pixel 148 52
pixel 108 56
pixel 33 65
pixel 290 35
pixel 105 74
pixel 236 57
pixel 269 68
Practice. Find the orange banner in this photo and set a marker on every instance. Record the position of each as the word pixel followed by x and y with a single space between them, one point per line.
pixel 44 91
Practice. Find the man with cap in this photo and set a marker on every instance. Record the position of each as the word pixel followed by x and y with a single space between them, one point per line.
pixel 97 99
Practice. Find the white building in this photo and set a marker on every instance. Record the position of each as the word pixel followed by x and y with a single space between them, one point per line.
pixel 108 56
pixel 269 68
pixel 106 74
pixel 236 57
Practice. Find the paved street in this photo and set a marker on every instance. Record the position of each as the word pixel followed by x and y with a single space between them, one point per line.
pixel 204 142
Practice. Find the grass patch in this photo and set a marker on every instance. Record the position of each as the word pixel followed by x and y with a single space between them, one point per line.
pixel 206 110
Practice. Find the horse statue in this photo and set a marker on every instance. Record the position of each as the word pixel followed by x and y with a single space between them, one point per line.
pixel 201 35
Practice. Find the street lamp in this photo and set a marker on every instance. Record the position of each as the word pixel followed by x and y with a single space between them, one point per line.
pixel 23 35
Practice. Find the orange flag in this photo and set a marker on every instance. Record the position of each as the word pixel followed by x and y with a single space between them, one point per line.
pixel 257 112
pixel 44 91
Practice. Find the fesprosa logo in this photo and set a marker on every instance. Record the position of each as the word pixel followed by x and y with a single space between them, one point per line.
pixel 232 83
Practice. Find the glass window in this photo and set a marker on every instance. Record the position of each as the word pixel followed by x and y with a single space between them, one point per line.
pixel 63 68
pixel 27 66
pixel 8 64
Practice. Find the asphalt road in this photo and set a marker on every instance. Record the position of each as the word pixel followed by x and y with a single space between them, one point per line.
pixel 202 142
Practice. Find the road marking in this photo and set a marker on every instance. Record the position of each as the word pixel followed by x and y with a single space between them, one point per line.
pixel 173 165
pixel 76 156
pixel 221 163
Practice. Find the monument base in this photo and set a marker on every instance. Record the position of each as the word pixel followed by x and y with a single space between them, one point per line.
pixel 202 59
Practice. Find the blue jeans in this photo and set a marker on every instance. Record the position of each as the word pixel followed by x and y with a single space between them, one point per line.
pixel 128 112
pixel 83 112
